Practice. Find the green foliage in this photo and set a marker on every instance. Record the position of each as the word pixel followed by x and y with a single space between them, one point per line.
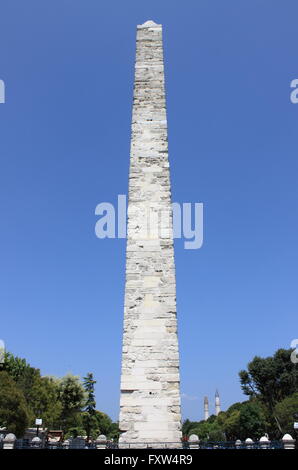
pixel 187 426
pixel 242 420
pixel 75 431
pixel 235 407
pixel 206 430
pixel 285 411
pixel 270 379
pixel 106 426
pixel 252 421
pixel 13 408
pixel 216 434
pixel 89 419
pixel 40 393
pixel 114 431
pixel 231 425
pixel 71 395
pixel 63 403
pixel 212 419
pixel 201 429
pixel 44 401
pixel 15 366
pixel 271 384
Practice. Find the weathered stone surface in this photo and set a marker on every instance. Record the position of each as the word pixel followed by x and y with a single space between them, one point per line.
pixel 150 396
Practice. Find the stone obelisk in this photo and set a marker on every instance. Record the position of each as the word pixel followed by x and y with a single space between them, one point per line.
pixel 150 395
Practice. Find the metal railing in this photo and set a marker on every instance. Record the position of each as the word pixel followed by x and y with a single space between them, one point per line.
pixel 187 445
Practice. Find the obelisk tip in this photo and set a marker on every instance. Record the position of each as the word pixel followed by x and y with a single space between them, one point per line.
pixel 149 24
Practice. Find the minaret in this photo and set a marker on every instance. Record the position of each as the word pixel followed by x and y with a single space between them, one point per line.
pixel 150 395
pixel 206 408
pixel 217 403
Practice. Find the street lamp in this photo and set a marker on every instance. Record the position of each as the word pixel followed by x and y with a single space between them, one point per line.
pixel 38 422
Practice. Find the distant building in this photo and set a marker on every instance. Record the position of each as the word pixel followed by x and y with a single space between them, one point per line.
pixel 217 403
pixel 206 408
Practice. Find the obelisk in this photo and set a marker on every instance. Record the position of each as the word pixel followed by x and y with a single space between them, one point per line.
pixel 150 382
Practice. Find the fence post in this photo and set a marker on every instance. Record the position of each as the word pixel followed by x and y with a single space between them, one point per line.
pixel 123 445
pixel 288 442
pixel 264 442
pixel 9 441
pixel 65 444
pixel 101 442
pixel 35 443
pixel 238 444
pixel 249 443
pixel 194 441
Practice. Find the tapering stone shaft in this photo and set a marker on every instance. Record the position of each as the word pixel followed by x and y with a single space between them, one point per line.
pixel 150 396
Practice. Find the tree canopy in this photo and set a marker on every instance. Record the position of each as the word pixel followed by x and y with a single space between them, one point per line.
pixel 68 403
pixel 65 403
pixel 270 379
pixel 13 407
pixel 271 384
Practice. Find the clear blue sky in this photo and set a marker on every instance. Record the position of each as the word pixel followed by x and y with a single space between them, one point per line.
pixel 68 67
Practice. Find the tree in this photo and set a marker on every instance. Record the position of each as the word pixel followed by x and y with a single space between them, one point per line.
pixel 232 426
pixel 235 407
pixel 216 434
pixel 252 421
pixel 212 419
pixel 40 393
pixel 271 379
pixel 45 402
pixel 207 430
pixel 13 408
pixel 114 431
pixel 24 376
pixel 64 403
pixel 71 395
pixel 285 410
pixel 106 426
pixel 89 419
pixel 15 366
pixel 187 426
pixel 201 429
